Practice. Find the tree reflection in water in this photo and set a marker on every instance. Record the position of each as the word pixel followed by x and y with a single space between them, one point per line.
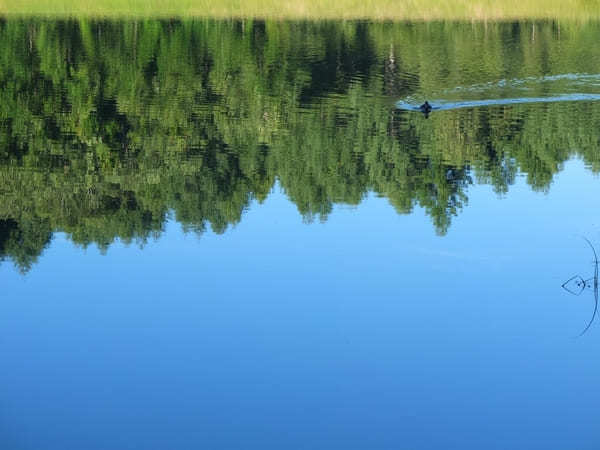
pixel 107 128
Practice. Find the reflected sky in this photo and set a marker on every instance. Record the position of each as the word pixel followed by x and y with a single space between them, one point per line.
pixel 366 331
pixel 226 235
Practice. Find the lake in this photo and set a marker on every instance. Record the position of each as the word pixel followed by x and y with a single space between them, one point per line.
pixel 239 234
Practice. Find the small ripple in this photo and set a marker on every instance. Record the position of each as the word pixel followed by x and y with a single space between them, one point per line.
pixel 576 78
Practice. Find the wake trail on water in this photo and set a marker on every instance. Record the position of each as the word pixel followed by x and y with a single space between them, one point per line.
pixel 569 87
pixel 442 105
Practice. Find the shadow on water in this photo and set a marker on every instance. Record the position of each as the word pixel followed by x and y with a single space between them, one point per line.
pixel 576 285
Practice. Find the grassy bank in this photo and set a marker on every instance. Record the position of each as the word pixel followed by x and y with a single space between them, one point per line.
pixel 478 10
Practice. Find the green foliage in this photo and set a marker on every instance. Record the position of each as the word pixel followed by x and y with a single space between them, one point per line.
pixel 110 128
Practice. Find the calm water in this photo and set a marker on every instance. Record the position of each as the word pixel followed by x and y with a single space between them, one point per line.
pixel 239 235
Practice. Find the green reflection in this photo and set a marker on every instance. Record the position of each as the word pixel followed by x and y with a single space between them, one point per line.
pixel 107 128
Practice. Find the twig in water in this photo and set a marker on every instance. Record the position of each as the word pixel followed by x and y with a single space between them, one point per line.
pixel 581 284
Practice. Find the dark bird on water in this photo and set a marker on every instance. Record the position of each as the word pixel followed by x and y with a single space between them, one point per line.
pixel 425 107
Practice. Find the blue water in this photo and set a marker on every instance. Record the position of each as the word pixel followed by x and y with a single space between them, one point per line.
pixel 367 331
pixel 236 235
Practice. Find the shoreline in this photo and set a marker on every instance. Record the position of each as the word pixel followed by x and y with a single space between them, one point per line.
pixel 373 10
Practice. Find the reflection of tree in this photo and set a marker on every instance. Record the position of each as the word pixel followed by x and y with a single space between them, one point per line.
pixel 107 127
pixel 23 242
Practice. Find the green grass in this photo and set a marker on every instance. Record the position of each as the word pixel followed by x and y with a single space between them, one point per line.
pixel 479 10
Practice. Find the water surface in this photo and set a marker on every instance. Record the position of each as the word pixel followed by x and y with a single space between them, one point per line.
pixel 241 234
